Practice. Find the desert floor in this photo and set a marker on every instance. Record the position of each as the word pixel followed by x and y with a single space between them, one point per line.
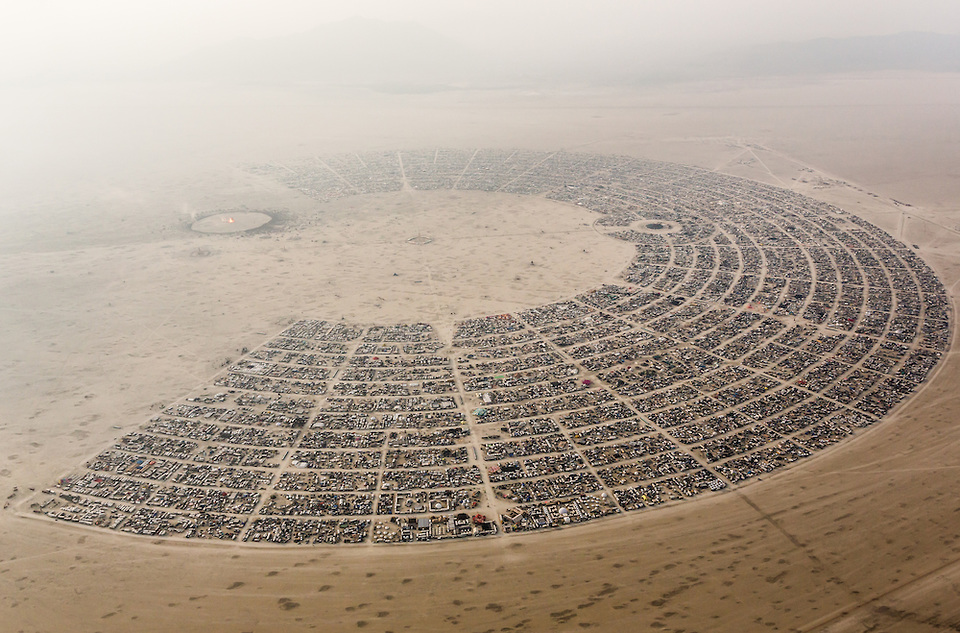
pixel 111 306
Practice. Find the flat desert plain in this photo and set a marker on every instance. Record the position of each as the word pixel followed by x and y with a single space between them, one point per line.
pixel 111 306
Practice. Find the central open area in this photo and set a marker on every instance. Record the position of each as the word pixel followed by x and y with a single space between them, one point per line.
pixel 360 258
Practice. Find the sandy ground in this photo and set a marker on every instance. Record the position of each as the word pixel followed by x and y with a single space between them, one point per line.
pixel 110 306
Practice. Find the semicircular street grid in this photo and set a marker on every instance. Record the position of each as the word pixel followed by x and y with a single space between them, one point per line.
pixel 752 328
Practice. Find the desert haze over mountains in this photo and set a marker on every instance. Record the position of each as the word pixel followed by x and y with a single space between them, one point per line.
pixel 401 54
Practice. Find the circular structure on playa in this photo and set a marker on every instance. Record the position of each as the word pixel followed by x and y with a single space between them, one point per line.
pixel 752 328
pixel 231 222
pixel 656 226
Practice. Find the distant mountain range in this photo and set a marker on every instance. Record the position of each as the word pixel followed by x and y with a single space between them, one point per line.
pixel 403 56
pixel 901 51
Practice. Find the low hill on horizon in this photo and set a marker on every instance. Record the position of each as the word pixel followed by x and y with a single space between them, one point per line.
pixel 898 51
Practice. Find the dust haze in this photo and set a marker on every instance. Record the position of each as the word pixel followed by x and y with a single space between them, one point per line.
pixel 123 127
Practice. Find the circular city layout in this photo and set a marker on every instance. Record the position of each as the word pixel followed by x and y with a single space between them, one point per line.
pixel 752 328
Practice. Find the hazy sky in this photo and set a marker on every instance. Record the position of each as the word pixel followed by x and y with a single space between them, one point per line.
pixel 68 36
